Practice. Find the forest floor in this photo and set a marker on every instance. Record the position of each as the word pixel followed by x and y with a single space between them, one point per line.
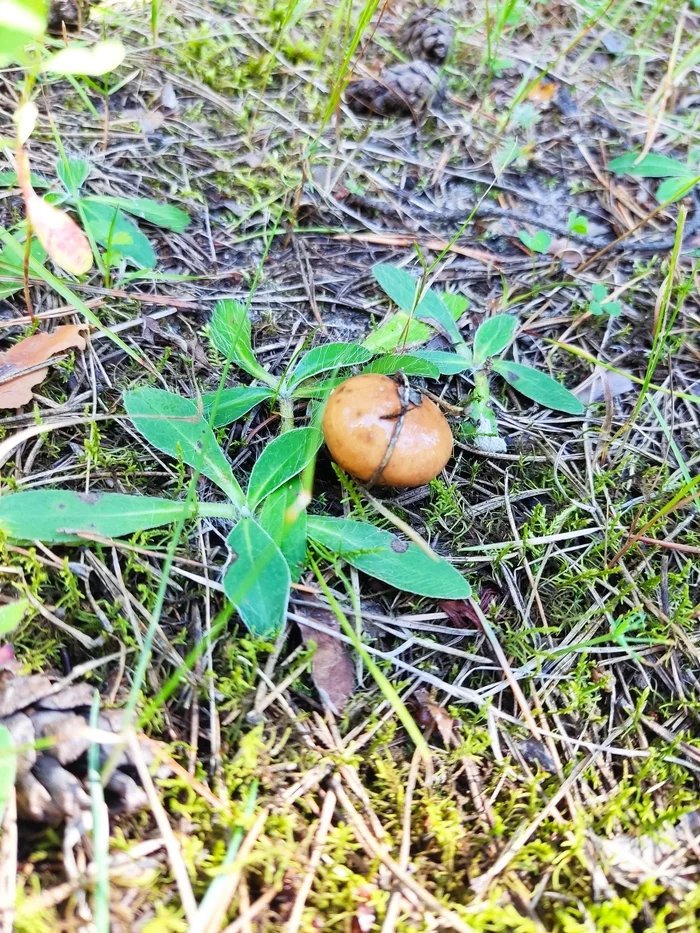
pixel 560 707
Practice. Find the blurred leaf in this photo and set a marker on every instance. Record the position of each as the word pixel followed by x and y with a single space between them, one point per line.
pixel 577 223
pixel 93 61
pixel 285 521
pixel 73 173
pixel 455 304
pixel 166 216
pixel 325 358
pixel 599 291
pixel 234 403
pixel 539 243
pixel 282 458
pixel 230 334
pixel 21 21
pixel 403 362
pixel 448 364
pixel 175 425
pixel 257 581
pixel 57 516
pixel 673 189
pixel 653 165
pixel 538 386
pixel 8 768
pixel 10 268
pixel 493 336
pixel 387 557
pixel 24 118
pixel 9 179
pixel 117 233
pixel 11 615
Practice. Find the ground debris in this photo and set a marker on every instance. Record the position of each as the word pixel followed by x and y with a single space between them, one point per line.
pixel 427 34
pixel 400 90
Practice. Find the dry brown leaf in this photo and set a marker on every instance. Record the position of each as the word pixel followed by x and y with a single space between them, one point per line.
pixel 331 666
pixel 16 383
pixel 543 91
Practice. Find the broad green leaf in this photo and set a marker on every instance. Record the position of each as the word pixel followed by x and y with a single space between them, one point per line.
pixel 455 304
pixel 387 557
pixel 96 60
pixel 599 291
pixel 73 173
pixel 539 387
pixel 176 426
pixel 230 334
pixel 402 288
pixel 403 362
pixel 21 21
pixel 282 458
pixel 400 330
pixel 673 189
pixel 234 403
pixel 432 309
pixel 285 521
pixel 539 243
pixel 257 580
pixel 493 336
pixel 57 515
pixel 577 223
pixel 653 165
pixel 8 768
pixel 9 179
pixel 398 284
pixel 117 233
pixel 325 358
pixel 160 215
pixel 11 615
pixel 448 364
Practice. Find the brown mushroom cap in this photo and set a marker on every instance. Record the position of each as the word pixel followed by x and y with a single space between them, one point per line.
pixel 358 423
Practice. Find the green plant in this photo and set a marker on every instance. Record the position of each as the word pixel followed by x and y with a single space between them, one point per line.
pixel 536 243
pixel 680 177
pixel 601 304
pixel 577 223
pixel 491 341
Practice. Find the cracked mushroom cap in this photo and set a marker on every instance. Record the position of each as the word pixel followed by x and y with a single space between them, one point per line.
pixel 361 417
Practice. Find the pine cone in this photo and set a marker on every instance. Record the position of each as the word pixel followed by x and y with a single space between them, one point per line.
pixel 68 13
pixel 51 785
pixel 401 90
pixel 427 34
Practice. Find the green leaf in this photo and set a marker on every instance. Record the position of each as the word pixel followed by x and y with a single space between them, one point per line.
pixel 72 172
pixel 455 304
pixel 403 362
pixel 539 243
pixel 234 403
pixel 539 387
pixel 166 216
pixel 402 288
pixel 9 179
pixel 387 557
pixel 230 334
pixel 176 426
pixel 282 458
pixel 398 284
pixel 653 165
pixel 448 364
pixel 673 189
pixel 8 766
pixel 400 329
pixel 285 522
pixel 320 389
pixel 21 21
pixel 116 232
pixel 577 223
pixel 96 60
pixel 11 615
pixel 57 516
pixel 10 268
pixel 323 359
pixel 599 291
pixel 257 581
pixel 493 336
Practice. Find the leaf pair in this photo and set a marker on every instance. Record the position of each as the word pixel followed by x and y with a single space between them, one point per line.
pixel 680 178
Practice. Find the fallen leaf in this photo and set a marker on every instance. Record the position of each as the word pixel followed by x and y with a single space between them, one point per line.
pixel 461 613
pixel 430 713
pixel 15 382
pixel 543 91
pixel 168 97
pixel 332 669
pixel 58 233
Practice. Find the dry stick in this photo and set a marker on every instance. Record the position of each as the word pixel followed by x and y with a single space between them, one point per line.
pixel 172 847
pixel 317 846
pixel 255 908
pixel 394 905
pixel 507 670
pixel 376 850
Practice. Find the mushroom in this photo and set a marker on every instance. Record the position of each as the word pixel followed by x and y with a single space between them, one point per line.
pixel 382 432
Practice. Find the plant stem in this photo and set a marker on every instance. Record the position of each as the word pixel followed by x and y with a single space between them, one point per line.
pixel 217 510
pixel 286 413
pixel 481 386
